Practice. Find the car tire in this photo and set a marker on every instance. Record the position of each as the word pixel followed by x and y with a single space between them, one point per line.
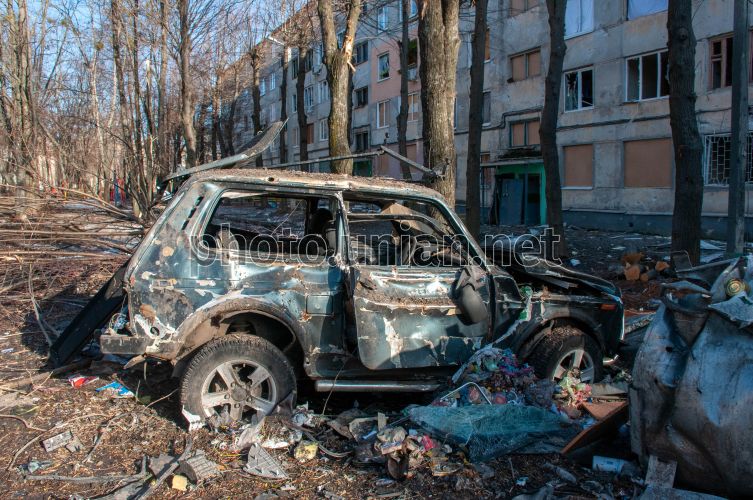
pixel 560 349
pixel 243 374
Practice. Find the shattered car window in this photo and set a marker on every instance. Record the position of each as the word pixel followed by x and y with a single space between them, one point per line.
pixel 390 232
pixel 273 225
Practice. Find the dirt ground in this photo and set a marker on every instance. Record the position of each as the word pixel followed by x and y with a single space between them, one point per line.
pixel 126 430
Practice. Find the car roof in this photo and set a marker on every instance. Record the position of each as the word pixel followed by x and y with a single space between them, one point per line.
pixel 334 182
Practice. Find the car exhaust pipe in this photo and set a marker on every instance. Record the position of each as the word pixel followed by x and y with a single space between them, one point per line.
pixel 375 385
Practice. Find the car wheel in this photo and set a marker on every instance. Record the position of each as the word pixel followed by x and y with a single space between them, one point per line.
pixel 235 377
pixel 564 349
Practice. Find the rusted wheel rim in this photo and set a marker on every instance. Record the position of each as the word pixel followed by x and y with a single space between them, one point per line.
pixel 572 359
pixel 240 387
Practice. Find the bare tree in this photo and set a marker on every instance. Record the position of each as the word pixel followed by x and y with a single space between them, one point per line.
pixel 548 129
pixel 337 58
pixel 686 219
pixel 439 41
pixel 475 112
pixel 402 116
pixel 186 99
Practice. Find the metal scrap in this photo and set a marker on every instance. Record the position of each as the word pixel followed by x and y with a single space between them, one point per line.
pixel 260 463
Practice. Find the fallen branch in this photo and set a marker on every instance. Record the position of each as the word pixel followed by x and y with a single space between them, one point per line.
pixel 91 479
pixel 43 325
pixel 26 424
pixel 20 382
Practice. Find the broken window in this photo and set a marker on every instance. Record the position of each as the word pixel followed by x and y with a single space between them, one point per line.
pixel 269 227
pixel 647 76
pixel 383 114
pixel 310 133
pixel 717 150
pixel 486 109
pixel 396 232
pixel 361 53
pixel 579 89
pixel 648 163
pixel 384 66
pixel 638 8
pixel 579 165
pixel 362 97
pixel 413 106
pixel 579 17
pixel 526 65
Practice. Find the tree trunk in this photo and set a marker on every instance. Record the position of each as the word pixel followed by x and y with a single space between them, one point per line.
pixel 256 61
pixel 163 134
pixel 402 116
pixel 739 147
pixel 284 104
pixel 557 247
pixel 475 114
pixel 338 62
pixel 123 108
pixel 688 149
pixel 439 41
pixel 300 87
pixel 184 68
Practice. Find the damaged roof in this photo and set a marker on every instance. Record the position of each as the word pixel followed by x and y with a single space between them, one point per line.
pixel 317 180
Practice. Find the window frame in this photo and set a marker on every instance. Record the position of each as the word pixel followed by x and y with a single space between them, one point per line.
pixel 383 19
pixel 582 31
pixel 488 121
pixel 380 78
pixel 386 105
pixel 526 132
pixel 526 55
pixel 578 72
pixel 365 89
pixel 323 88
pixel 414 102
pixel 527 5
pixel 356 59
pixel 310 91
pixel 640 57
pixel 323 130
pixel 361 133
pixel 627 11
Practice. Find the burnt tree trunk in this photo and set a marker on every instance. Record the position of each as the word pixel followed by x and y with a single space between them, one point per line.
pixel 686 218
pixel 557 247
pixel 439 41
pixel 337 59
pixel 475 119
pixel 184 69
pixel 402 116
pixel 300 105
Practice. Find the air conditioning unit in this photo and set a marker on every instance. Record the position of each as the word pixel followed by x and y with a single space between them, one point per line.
pixel 413 73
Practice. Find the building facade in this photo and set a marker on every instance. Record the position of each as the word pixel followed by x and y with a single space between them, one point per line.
pixel 617 165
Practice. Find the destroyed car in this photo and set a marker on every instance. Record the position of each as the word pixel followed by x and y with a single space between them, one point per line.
pixel 254 279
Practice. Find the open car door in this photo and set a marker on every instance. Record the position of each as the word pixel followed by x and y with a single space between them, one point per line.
pixel 417 299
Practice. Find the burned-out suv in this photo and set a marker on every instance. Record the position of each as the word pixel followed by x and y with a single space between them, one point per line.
pixel 251 280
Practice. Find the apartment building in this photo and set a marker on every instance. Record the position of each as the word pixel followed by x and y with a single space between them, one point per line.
pixel 617 164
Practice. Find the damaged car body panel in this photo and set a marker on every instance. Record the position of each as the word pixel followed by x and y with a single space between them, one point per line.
pixel 693 380
pixel 356 279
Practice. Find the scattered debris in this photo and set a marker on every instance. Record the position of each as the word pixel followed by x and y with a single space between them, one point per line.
pixel 260 463
pixel 78 381
pixel 179 483
pixel 116 390
pixel 198 468
pixel 305 451
pixel 57 441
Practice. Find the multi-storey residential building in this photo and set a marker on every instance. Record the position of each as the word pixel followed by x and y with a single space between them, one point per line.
pixel 617 165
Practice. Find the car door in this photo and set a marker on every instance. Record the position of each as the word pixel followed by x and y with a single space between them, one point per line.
pixel 406 313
